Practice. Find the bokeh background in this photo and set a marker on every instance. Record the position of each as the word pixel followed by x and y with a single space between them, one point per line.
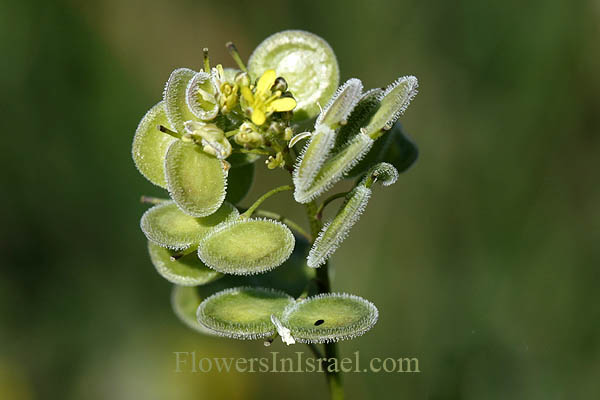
pixel 483 259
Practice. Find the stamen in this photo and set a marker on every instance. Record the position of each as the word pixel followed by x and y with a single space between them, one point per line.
pixel 236 56
pixel 206 60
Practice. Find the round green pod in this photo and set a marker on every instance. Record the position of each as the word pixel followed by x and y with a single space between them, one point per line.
pixel 239 182
pixel 195 179
pixel 311 159
pixel 329 318
pixel 185 271
pixel 185 301
pixel 341 104
pixel 305 61
pixel 333 170
pixel 200 97
pixel 243 312
pixel 174 98
pixel 393 102
pixel 167 226
pixel 384 173
pixel 150 145
pixel 246 246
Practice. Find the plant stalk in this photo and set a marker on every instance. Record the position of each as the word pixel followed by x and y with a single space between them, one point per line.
pixel 334 378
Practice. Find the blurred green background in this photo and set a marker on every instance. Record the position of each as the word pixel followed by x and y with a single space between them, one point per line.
pixel 483 259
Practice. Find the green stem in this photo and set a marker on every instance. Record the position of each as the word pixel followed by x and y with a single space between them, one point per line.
pixel 236 56
pixel 184 253
pixel 294 226
pixel 319 212
pixel 253 151
pixel 262 198
pixel 334 379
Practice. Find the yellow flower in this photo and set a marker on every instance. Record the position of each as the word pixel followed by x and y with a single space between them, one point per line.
pixel 263 102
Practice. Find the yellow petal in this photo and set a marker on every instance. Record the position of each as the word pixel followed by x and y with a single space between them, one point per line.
pixel 282 104
pixel 247 93
pixel 266 81
pixel 258 116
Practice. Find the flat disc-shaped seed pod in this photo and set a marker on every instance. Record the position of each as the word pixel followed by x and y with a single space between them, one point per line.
pixel 329 318
pixel 334 232
pixel 243 313
pixel 185 301
pixel 383 173
pixel 195 179
pixel 175 98
pixel 200 97
pixel 239 182
pixel 394 147
pixel 150 145
pixel 305 61
pixel 246 246
pixel 341 104
pixel 335 167
pixel 167 226
pixel 394 100
pixel 185 271
pixel 311 159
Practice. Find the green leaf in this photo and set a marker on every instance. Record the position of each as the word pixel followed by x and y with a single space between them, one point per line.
pixel 167 226
pixel 196 180
pixel 200 97
pixel 329 318
pixel 175 98
pixel 185 271
pixel 246 246
pixel 241 159
pixel 239 182
pixel 394 100
pixel 334 168
pixel 243 313
pixel 150 145
pixel 305 61
pixel 185 302
pixel 334 232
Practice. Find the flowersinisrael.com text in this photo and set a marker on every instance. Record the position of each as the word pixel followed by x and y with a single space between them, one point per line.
pixel 189 361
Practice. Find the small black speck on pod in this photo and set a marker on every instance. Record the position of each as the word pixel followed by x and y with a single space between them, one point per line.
pixel 318 322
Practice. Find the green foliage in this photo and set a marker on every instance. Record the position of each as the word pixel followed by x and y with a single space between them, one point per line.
pixel 249 276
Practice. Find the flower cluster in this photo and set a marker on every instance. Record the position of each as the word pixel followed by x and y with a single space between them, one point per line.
pixel 249 273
